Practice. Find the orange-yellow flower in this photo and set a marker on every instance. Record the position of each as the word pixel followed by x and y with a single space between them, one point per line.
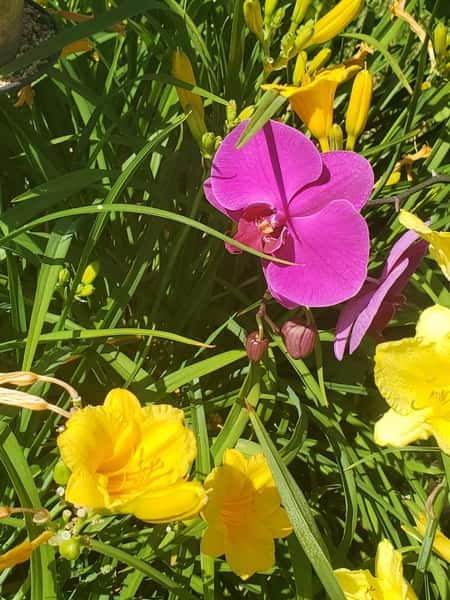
pixel 25 96
pixel 243 514
pixel 126 458
pixel 313 100
pixel 22 552
pixel 82 45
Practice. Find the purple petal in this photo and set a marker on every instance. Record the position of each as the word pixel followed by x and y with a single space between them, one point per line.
pixel 269 168
pixel 331 248
pixel 364 320
pixel 414 254
pixel 209 195
pixel 345 176
pixel 398 249
pixel 348 315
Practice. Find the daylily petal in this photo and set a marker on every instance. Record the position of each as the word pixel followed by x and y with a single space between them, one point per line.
pixel 356 584
pixel 325 273
pixel 441 543
pixel 394 429
pixel 411 221
pixel 253 551
pixel 213 542
pixel 434 323
pixel 389 572
pixel 122 403
pixel 181 501
pixel 407 370
pixel 440 428
pixel 269 168
pixel 345 175
pixel 22 552
pixel 88 489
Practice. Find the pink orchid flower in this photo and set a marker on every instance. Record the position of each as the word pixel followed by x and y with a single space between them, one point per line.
pixel 376 303
pixel 294 203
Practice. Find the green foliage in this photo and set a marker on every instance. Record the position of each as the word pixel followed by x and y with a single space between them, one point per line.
pixel 102 167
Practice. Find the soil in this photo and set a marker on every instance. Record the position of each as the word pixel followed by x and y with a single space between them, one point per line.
pixel 37 28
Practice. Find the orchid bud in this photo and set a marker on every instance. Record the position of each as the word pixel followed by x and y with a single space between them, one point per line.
pixel 358 108
pixel 336 137
pixel 299 337
pixel 253 18
pixel 255 346
pixel 335 21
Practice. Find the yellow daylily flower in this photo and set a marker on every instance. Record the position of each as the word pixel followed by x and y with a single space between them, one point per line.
pixel 439 240
pixel 243 514
pixel 22 552
pixel 441 543
pixel 413 375
pixel 313 100
pixel 358 107
pixel 126 458
pixel 387 584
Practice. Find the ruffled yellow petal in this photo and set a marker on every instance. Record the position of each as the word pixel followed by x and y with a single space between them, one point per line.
pixel 236 459
pixel 259 472
pixel 434 323
pixel 213 542
pixel 394 429
pixel 89 489
pixel 253 550
pixel 389 568
pixel 407 371
pixel 22 552
pixel 123 405
pixel 441 543
pixel 439 240
pixel 176 503
pixel 359 585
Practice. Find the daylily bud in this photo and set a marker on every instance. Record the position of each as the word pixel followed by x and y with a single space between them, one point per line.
pixel 90 272
pixel 61 473
pixel 70 549
pixel 299 12
pixel 231 111
pixel 277 19
pixel 253 18
pixel 319 60
pixel 335 21
pixel 208 144
pixel 299 69
pixel 182 70
pixel 246 113
pixel 440 40
pixel 63 276
pixel 304 35
pixel 393 178
pixel 336 137
pixel 269 8
pixel 83 291
pixel 255 346
pixel 299 337
pixel 358 108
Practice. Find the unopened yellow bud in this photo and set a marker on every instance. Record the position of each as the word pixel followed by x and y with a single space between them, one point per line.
pixel 231 111
pixel 319 60
pixel 63 276
pixel 358 108
pixel 269 8
pixel 440 40
pixel 304 35
pixel 90 273
pixel 253 18
pixel 299 69
pixel 190 103
pixel 299 12
pixel 393 178
pixel 246 113
pixel 83 291
pixel 335 21
pixel 336 137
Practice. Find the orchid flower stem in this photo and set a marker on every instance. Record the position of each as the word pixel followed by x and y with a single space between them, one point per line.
pixel 399 198
pixel 260 315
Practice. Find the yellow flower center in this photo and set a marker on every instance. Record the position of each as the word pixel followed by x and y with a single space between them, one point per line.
pixel 235 511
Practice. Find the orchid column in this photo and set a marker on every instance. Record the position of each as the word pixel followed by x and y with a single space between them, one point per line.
pixel 11 23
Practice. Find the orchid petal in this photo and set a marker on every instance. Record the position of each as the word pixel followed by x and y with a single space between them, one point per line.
pixel 275 163
pixel 325 273
pixel 345 176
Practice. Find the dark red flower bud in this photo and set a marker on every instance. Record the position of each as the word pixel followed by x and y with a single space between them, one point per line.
pixel 299 337
pixel 255 346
